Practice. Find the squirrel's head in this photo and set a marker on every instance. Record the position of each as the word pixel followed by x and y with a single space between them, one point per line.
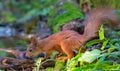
pixel 34 48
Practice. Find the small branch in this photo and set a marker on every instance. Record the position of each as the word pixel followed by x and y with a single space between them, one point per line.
pixel 7 63
pixel 17 53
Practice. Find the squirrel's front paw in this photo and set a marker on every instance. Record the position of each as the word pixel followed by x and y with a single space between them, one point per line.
pixel 62 58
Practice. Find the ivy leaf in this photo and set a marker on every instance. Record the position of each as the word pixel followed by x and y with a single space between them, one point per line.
pixel 90 56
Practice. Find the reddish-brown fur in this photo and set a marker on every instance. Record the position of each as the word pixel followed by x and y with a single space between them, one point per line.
pixel 66 41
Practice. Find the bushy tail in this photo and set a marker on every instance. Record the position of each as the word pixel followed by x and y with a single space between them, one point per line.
pixel 95 19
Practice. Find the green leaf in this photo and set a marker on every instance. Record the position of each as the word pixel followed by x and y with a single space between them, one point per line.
pixel 71 63
pixel 112 41
pixel 92 42
pixel 75 69
pixel 118 46
pixel 112 48
pixel 100 61
pixel 102 64
pixel 59 65
pixel 38 64
pixel 114 54
pixel 104 44
pixel 101 33
pixel 90 56
pixel 49 69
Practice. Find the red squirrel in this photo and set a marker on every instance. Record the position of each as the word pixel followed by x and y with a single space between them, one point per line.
pixel 68 40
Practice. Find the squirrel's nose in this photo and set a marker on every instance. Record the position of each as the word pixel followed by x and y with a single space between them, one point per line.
pixel 27 56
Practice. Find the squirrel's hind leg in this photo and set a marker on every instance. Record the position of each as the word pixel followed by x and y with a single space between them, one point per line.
pixel 67 49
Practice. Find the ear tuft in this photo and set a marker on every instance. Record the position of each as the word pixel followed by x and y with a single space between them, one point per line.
pixel 33 38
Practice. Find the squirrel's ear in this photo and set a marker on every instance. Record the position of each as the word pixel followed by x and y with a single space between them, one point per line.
pixel 86 7
pixel 33 38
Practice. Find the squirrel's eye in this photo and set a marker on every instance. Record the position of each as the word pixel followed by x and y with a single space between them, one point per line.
pixel 30 50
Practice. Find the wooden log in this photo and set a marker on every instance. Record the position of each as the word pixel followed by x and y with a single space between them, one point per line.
pixel 8 63
pixel 18 64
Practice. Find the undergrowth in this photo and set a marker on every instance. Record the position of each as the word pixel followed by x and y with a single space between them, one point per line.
pixel 104 58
